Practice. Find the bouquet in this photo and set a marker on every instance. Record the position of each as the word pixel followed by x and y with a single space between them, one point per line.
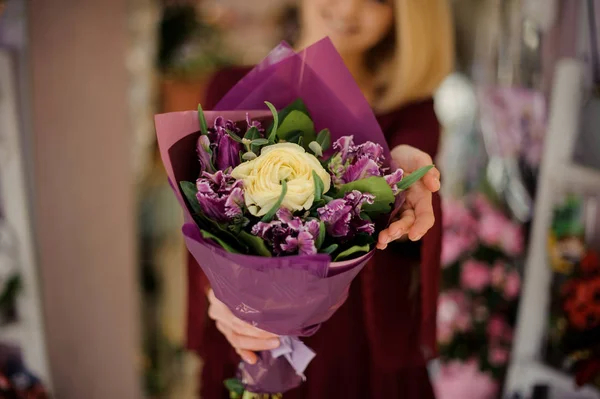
pixel 282 218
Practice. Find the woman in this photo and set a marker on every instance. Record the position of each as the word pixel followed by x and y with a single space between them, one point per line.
pixel 377 344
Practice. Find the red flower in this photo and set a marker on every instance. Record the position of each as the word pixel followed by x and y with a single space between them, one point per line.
pixel 590 263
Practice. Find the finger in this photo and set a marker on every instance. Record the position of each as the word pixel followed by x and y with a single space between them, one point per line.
pixel 396 229
pixel 243 342
pixel 243 328
pixel 401 227
pixel 410 158
pixel 424 217
pixel 432 180
pixel 247 356
pixel 251 343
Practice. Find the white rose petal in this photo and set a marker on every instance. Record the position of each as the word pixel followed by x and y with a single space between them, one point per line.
pixel 262 178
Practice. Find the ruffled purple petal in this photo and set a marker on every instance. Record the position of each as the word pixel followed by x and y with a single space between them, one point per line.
pixel 252 123
pixel 221 197
pixel 370 150
pixel 393 179
pixel 344 146
pixel 363 168
pixel 342 216
pixel 234 203
pixel 227 152
pixel 336 216
pixel 306 243
pixel 285 215
pixel 204 154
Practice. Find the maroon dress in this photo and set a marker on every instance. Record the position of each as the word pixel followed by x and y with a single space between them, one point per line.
pixel 377 344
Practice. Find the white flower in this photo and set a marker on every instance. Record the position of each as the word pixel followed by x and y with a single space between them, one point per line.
pixel 263 175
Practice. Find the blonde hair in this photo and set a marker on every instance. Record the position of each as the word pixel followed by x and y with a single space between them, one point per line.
pixel 423 54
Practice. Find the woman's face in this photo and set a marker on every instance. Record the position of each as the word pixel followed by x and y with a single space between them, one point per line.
pixel 354 26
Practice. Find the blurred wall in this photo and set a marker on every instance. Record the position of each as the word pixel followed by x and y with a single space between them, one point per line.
pixel 84 196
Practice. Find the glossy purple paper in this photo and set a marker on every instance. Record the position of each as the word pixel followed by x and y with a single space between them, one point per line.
pixel 289 296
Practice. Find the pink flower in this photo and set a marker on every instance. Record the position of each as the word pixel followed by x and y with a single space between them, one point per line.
pixel 497 328
pixel 481 204
pixel 453 315
pixel 498 275
pixel 512 286
pixel 491 228
pixel 454 245
pixel 464 381
pixel 511 239
pixel 498 356
pixel 455 214
pixel 475 275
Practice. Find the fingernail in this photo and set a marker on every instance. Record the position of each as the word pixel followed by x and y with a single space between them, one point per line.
pixel 248 359
pixel 418 237
pixel 274 343
pixel 437 183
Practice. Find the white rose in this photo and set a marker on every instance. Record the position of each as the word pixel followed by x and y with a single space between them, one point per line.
pixel 284 161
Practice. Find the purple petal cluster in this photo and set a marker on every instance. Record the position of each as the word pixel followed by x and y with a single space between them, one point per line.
pixel 217 150
pixel 221 197
pixel 342 216
pixel 289 235
pixel 354 162
pixel 255 124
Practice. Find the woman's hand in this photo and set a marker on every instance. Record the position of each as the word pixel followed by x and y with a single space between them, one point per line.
pixel 416 215
pixel 244 338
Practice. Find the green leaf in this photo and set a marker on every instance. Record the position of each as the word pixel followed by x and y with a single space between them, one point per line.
pixel 255 243
pixel 294 121
pixel 315 148
pixel 202 120
pixel 248 156
pixel 252 133
pixel 269 215
pixel 324 139
pixel 260 141
pixel 319 186
pixel 377 186
pixel 322 234
pixel 234 385
pixel 294 136
pixel 414 177
pixel 297 105
pixel 330 249
pixel 234 136
pixel 273 134
pixel 352 251
pixel 220 241
pixel 189 191
pixel 222 232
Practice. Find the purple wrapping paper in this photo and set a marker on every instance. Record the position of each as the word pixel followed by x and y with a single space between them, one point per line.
pixel 289 296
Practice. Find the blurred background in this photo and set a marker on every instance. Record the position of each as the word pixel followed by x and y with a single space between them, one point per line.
pixel 92 262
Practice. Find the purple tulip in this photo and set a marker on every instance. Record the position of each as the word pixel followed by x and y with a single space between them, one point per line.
pixel 393 179
pixel 221 197
pixel 205 154
pixel 364 167
pixel 344 146
pixel 370 150
pixel 289 235
pixel 342 216
pixel 255 124
pixel 354 162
